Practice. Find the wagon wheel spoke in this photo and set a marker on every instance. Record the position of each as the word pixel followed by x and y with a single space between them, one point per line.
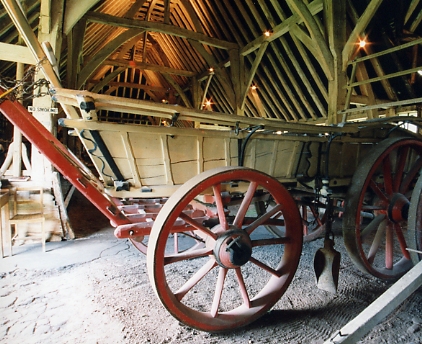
pixel 377 190
pixel 245 205
pixel 388 178
pixel 186 255
pixel 313 226
pixel 377 207
pixel 222 272
pixel 400 169
pixel 220 206
pixel 242 288
pixel 211 264
pixel 375 223
pixel 389 247
pixel 197 226
pixel 265 267
pixel 262 219
pixel 376 242
pixel 213 288
pixel 402 241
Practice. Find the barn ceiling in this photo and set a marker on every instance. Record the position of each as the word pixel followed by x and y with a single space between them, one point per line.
pixel 292 60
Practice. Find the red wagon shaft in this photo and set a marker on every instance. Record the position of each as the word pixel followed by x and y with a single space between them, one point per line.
pixel 61 159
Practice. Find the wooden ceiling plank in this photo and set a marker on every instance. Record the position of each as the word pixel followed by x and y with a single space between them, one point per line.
pixel 254 60
pixel 134 9
pixel 148 66
pixel 416 22
pixel 281 29
pixel 324 55
pixel 192 16
pixel 291 95
pixel 361 25
pixel 166 11
pixel 97 87
pixel 251 73
pixel 270 74
pixel 366 89
pixel 220 72
pixel 99 58
pixel 158 27
pixel 370 52
pixel 410 10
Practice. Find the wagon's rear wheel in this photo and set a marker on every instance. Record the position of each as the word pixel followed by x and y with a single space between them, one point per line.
pixel 313 216
pixel 243 269
pixel 414 232
pixel 311 211
pixel 377 204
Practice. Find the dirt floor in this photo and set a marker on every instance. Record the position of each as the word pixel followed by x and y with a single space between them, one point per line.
pixel 101 294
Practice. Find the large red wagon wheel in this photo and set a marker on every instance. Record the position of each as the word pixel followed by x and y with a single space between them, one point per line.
pixel 243 269
pixel 377 205
pixel 414 232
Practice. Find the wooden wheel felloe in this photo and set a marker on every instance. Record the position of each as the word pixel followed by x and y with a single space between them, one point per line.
pixel 243 269
pixel 377 205
pixel 414 232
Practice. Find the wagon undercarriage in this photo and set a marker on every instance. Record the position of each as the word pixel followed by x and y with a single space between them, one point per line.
pixel 206 202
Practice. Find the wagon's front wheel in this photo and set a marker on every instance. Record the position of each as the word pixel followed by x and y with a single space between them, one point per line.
pixel 377 205
pixel 243 269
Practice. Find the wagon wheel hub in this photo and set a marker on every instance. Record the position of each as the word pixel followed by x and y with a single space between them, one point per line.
pixel 398 209
pixel 233 249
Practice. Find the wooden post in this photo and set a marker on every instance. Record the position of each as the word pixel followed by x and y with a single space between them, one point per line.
pixel 335 16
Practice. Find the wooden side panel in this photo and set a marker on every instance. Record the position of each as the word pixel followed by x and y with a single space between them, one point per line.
pixel 183 155
pixel 149 158
pixel 278 158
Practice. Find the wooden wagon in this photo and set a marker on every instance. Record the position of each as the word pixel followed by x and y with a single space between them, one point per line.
pixel 227 202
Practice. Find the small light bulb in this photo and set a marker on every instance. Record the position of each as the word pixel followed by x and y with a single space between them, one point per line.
pixel 362 44
pixel 267 33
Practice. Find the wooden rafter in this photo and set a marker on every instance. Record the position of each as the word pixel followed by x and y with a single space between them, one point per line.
pixel 360 26
pixel 99 58
pixel 317 40
pixel 158 27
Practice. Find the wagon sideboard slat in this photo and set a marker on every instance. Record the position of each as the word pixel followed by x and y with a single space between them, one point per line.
pixel 154 160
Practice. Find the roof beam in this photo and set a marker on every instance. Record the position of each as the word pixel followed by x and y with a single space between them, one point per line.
pixel 99 58
pixel 148 66
pixel 316 38
pixel 351 44
pixel 16 53
pixel 314 7
pixel 158 27
pixel 75 9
